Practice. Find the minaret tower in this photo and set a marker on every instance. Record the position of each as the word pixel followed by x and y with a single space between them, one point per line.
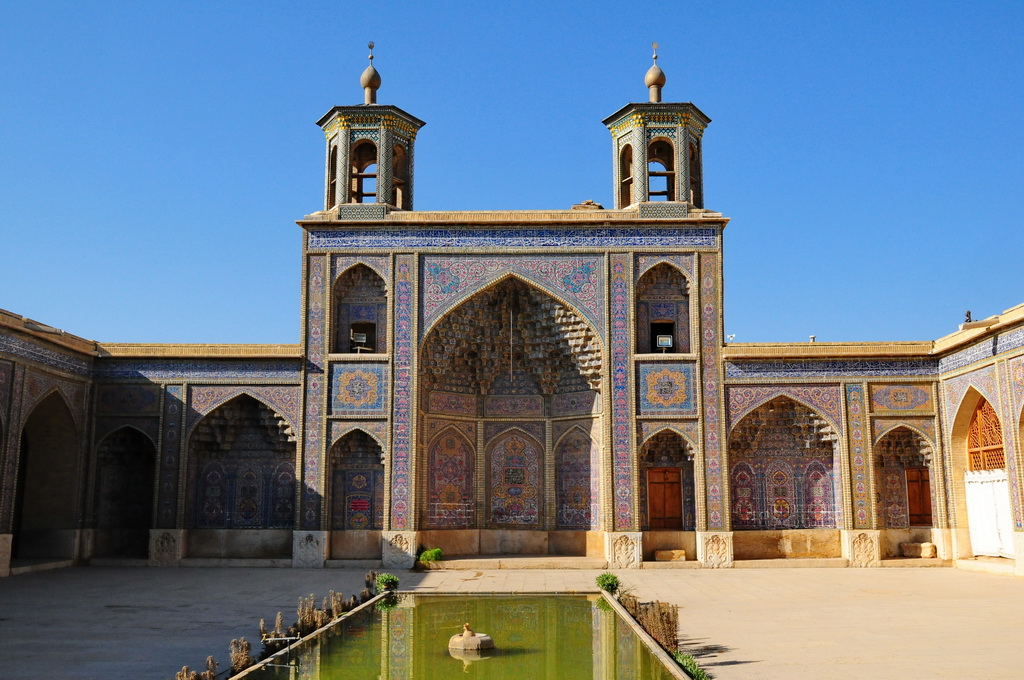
pixel 657 147
pixel 369 151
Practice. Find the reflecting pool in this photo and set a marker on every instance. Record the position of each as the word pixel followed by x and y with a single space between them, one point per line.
pixel 552 636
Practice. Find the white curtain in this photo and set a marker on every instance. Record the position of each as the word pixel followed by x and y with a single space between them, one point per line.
pixel 988 513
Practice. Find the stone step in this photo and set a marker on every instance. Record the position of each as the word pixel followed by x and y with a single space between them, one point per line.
pixel 672 564
pixel 32 566
pixel 993 565
pixel 232 562
pixel 913 562
pixel 353 564
pixel 793 563
pixel 118 562
pixel 481 562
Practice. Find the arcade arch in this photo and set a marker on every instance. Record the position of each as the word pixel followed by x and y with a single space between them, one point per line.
pixel 240 475
pixel 981 495
pixel 784 469
pixel 125 469
pixel 46 497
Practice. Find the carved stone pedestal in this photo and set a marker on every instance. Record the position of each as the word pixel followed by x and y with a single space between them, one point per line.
pixel 166 547
pixel 624 549
pixel 309 549
pixel 714 549
pixel 862 547
pixel 398 549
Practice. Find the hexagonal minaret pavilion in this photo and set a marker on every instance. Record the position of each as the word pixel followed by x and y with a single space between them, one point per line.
pixel 657 148
pixel 369 152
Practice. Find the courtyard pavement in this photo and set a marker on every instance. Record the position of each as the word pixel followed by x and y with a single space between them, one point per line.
pixel 145 623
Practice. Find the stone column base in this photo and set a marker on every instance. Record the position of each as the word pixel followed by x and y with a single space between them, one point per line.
pixel 309 549
pixel 166 547
pixel 714 549
pixel 84 545
pixel 398 549
pixel 1018 552
pixel 961 543
pixel 5 554
pixel 624 549
pixel 943 540
pixel 862 547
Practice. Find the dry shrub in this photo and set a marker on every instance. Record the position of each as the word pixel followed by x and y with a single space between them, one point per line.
pixel 240 655
pixel 209 674
pixel 659 619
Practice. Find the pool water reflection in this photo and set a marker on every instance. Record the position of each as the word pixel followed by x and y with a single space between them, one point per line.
pixel 552 636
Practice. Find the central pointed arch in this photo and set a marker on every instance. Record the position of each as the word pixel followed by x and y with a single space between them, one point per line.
pixel 516 362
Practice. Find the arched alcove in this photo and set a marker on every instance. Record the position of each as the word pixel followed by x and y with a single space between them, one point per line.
pixel 46 497
pixel 360 306
pixel 240 475
pixel 576 489
pixel 450 461
pixel 357 483
pixel 785 476
pixel 663 311
pixel 904 494
pixel 515 485
pixel 125 468
pixel 667 497
pixel 356 500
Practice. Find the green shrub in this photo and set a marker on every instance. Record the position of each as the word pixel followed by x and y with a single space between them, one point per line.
pixel 432 555
pixel 386 581
pixel 387 603
pixel 689 664
pixel 608 582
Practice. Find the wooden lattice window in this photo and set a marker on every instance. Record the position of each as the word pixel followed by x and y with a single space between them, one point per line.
pixel 985 439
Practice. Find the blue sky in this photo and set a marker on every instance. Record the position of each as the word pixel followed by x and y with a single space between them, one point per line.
pixel 156 155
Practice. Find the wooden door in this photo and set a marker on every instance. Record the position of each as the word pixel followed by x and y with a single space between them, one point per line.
pixel 919 497
pixel 665 498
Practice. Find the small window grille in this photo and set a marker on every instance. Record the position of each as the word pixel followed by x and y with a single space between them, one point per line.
pixel 985 440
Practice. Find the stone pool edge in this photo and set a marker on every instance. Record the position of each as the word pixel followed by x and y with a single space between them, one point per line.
pixel 258 666
pixel 651 643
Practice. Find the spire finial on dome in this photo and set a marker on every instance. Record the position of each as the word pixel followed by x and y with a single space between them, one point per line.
pixel 655 78
pixel 370 80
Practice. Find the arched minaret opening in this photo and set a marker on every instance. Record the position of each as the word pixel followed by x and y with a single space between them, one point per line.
pixel 626 176
pixel 363 173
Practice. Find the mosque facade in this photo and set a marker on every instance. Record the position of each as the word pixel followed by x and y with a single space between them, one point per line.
pixel 517 382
